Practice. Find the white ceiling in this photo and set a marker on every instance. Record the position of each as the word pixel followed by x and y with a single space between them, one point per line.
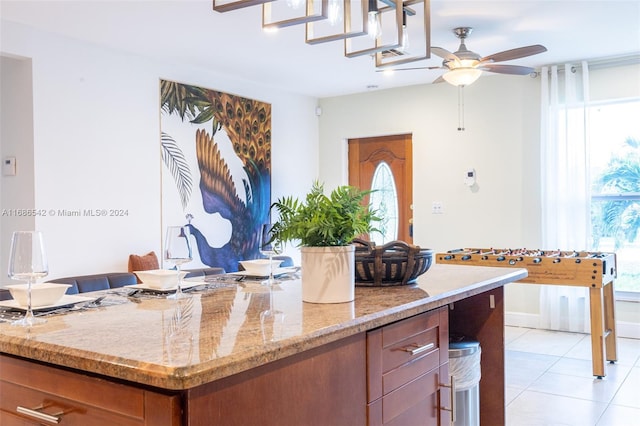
pixel 189 31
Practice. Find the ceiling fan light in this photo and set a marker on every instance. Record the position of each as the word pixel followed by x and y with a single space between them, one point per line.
pixel 462 76
pixel 468 63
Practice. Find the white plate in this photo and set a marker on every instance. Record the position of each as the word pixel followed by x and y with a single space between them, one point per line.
pixel 276 272
pixel 185 285
pixel 66 300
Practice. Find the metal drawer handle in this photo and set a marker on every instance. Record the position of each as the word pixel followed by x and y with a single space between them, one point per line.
pixel 414 348
pixel 452 390
pixel 35 413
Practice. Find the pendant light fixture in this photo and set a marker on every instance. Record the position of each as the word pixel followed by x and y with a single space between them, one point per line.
pixel 347 20
pixel 415 19
pixel 335 12
pixel 391 17
pixel 274 17
pixel 352 15
pixel 405 33
pixel 374 23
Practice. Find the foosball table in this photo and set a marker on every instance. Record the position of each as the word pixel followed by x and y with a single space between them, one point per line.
pixel 595 270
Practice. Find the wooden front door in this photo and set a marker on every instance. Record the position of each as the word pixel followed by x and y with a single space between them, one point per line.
pixel 375 157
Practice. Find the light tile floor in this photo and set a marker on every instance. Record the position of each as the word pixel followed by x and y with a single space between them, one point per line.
pixel 549 381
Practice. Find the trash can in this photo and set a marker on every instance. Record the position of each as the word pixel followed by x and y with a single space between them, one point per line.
pixel 464 366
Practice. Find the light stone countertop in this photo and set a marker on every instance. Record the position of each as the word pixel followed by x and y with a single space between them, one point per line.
pixel 218 332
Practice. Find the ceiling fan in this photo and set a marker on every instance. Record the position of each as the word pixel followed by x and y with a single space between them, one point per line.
pixel 465 66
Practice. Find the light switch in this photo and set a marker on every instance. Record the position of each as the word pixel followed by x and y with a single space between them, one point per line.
pixel 9 166
pixel 470 177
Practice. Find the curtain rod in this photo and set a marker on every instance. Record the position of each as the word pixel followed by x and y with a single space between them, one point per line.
pixel 614 61
pixel 599 63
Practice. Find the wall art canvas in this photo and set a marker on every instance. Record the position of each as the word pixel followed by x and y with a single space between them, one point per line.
pixel 216 171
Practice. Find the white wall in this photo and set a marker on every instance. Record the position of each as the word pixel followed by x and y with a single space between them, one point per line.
pixel 96 127
pixel 16 140
pixel 501 141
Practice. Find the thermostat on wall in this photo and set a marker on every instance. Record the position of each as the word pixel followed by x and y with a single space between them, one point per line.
pixel 470 178
pixel 9 166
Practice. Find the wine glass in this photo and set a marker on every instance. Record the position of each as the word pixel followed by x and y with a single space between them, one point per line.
pixel 267 248
pixel 271 320
pixel 177 250
pixel 28 262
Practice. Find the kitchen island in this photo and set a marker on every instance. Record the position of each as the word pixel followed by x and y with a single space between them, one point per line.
pixel 238 353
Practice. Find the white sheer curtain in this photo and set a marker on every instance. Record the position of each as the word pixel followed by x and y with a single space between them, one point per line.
pixel 565 187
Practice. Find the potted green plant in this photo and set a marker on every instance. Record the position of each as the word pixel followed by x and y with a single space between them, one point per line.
pixel 324 227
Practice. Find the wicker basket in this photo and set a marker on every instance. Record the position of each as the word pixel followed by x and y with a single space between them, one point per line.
pixel 395 263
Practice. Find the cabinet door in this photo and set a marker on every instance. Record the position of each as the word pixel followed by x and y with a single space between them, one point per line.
pixel 415 403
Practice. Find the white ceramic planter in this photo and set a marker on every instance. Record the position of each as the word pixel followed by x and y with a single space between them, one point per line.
pixel 328 274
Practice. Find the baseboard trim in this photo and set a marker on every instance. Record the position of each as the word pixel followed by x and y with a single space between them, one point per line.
pixel 628 329
pixel 518 319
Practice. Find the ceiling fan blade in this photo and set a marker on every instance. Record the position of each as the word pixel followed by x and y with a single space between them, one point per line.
pixel 444 53
pixel 507 69
pixel 519 52
pixel 438 80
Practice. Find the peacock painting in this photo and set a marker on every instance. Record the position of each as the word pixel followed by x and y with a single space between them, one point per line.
pixel 220 143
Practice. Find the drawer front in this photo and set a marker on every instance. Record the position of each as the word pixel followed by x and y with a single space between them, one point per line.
pixel 410 350
pixel 409 371
pixel 29 390
pixel 401 330
pixel 29 405
pixel 116 397
pixel 160 412
pixel 400 352
pixel 8 419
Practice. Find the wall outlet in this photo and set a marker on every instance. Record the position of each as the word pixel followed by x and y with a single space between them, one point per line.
pixel 437 207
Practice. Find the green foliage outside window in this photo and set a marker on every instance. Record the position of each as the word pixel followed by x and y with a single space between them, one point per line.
pixel 615 212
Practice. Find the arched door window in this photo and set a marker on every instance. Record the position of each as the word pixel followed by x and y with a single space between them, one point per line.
pixel 384 199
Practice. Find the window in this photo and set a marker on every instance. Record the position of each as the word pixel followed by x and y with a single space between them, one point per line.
pixel 614 131
pixel 384 199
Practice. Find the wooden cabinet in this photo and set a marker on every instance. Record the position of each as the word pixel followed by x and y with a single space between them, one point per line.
pixel 407 371
pixel 321 386
pixel 35 394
